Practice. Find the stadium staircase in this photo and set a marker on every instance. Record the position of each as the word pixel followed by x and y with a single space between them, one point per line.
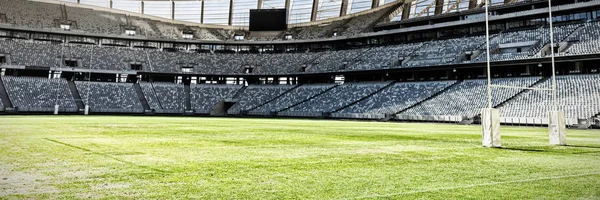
pixel 140 94
pixel 356 59
pixel 63 11
pixel 542 80
pixel 430 97
pixel 239 92
pixel 157 100
pixel 186 90
pixel 308 99
pixel 277 97
pixel 75 94
pixel 365 97
pixel 4 96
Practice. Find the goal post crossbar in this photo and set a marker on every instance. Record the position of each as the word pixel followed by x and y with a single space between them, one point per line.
pixel 523 88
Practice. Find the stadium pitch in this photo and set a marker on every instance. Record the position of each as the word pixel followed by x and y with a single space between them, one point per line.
pixel 230 158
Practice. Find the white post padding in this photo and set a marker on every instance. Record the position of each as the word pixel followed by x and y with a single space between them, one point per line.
pixel 557 128
pixel 86 111
pixel 56 109
pixel 490 122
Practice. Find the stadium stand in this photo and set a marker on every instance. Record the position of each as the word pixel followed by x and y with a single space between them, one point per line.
pixel 385 57
pixel 170 96
pixel 586 40
pixel 35 94
pixel 109 97
pixel 31 53
pixel 467 97
pixel 31 14
pixel 577 38
pixel 443 52
pixel 88 20
pixel 205 96
pixel 395 98
pixel 151 96
pixel 256 95
pixel 335 60
pixel 577 96
pixel 293 97
pixel 335 98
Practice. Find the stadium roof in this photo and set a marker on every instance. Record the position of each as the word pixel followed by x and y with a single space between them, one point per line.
pixel 236 12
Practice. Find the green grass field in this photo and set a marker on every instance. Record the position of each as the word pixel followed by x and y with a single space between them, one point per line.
pixel 222 158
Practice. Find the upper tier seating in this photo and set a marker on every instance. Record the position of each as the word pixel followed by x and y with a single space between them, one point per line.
pixel 37 93
pixel 292 97
pixel 469 97
pixel 338 97
pixel 205 96
pixel 31 53
pixel 385 57
pixel 255 95
pixel 438 52
pixel 577 95
pixel 335 60
pixel 586 40
pixel 109 97
pixel 88 20
pixel 31 14
pixel 397 97
pixel 441 52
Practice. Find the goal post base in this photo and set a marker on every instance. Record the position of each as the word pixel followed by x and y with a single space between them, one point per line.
pixel 86 111
pixel 490 123
pixel 557 128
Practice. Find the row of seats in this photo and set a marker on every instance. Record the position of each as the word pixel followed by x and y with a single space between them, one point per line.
pixel 468 97
pixel 255 95
pixel 585 41
pixel 293 97
pixel 582 40
pixel 109 96
pixel 577 96
pixel 397 97
pixel 204 97
pixel 35 92
pixel 338 97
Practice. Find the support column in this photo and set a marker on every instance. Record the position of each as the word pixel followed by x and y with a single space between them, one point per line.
pixel 472 4
pixel 490 123
pixel 259 6
pixel 142 7
pixel 344 8
pixel 439 5
pixel 315 7
pixel 557 128
pixel 202 11
pixel 406 10
pixel 172 10
pixel 230 12
pixel 375 4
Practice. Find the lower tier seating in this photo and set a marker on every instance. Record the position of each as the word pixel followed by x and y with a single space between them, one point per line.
pixel 577 95
pixel 38 93
pixel 109 97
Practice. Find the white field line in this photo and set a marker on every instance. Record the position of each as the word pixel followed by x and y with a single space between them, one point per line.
pixel 477 185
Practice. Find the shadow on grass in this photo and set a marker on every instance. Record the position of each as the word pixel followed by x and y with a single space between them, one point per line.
pixel 571 149
pixel 107 156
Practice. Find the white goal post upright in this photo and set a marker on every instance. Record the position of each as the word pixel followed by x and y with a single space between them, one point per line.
pixel 490 117
pixel 556 121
